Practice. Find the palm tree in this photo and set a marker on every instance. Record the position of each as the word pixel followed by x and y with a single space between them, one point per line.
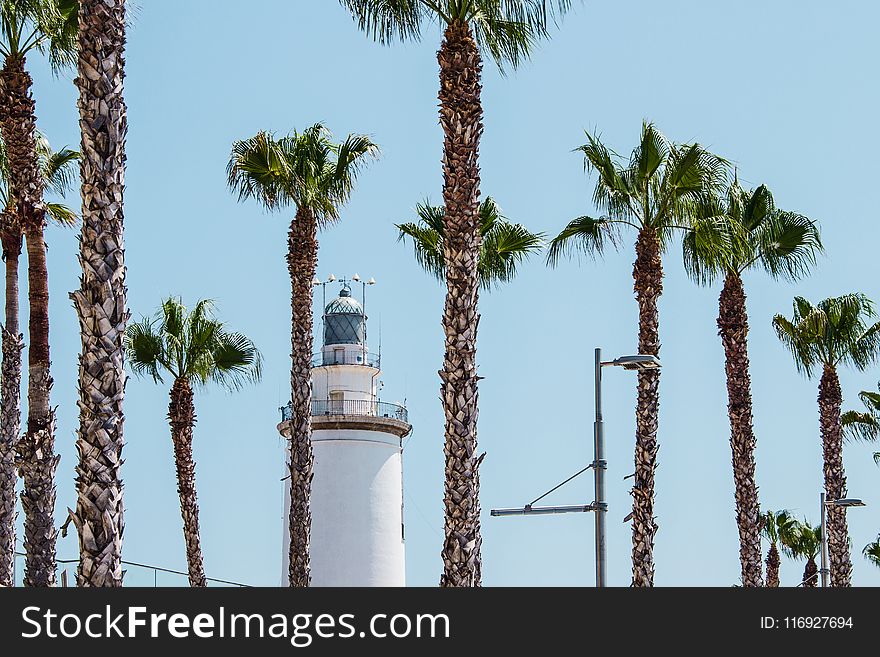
pixel 194 348
pixel 507 31
pixel 872 551
pixel 656 193
pixel 57 170
pixel 745 231
pixel 306 170
pixel 47 26
pixel 100 301
pixel 806 541
pixel 832 333
pixel 778 527
pixel 503 245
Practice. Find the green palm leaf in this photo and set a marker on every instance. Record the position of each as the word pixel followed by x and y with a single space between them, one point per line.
pixel 662 187
pixel 506 29
pixel 304 169
pixel 504 245
pixel 835 331
pixel 192 345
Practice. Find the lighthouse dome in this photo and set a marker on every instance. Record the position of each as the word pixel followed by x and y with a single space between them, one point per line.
pixel 344 320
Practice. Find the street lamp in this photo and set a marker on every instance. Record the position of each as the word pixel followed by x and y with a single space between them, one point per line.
pixel 844 503
pixel 638 362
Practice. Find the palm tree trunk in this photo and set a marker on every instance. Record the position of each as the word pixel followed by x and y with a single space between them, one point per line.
pixel 773 566
pixel 100 301
pixel 302 260
pixel 811 574
pixel 648 286
pixel 10 413
pixel 36 449
pixel 733 327
pixel 461 116
pixel 830 399
pixel 182 417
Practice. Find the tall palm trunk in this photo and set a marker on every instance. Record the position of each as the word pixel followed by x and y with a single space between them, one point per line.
pixel 182 417
pixel 36 449
pixel 100 302
pixel 811 574
pixel 10 402
pixel 773 566
pixel 302 259
pixel 733 327
pixel 830 399
pixel 461 116
pixel 648 286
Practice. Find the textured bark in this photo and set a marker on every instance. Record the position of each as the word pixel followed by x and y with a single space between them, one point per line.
pixel 733 327
pixel 648 286
pixel 36 449
pixel 100 301
pixel 302 259
pixel 461 116
pixel 773 566
pixel 10 405
pixel 182 418
pixel 811 574
pixel 830 399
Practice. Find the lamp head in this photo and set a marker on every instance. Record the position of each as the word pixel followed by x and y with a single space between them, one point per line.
pixel 637 362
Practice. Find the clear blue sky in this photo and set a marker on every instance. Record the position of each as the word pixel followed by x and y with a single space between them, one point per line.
pixel 787 90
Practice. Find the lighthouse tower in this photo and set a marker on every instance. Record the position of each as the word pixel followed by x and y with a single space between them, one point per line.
pixel 357 489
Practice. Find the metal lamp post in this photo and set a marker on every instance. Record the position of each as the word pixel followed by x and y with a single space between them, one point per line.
pixel 599 465
pixel 844 502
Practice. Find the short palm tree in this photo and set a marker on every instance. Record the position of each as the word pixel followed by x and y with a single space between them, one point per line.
pixel 57 170
pixel 507 31
pixel 739 233
pixel 503 245
pixel 835 332
pixel 656 192
pixel 872 552
pixel 316 176
pixel 806 541
pixel 778 527
pixel 100 301
pixel 48 27
pixel 194 349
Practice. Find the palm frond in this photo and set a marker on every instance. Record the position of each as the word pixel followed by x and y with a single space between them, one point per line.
pixel 305 169
pixel 859 425
pixel 62 215
pixel 60 169
pixel 389 20
pixel 872 551
pixel 612 195
pixel 427 243
pixel 506 29
pixel 832 332
pixel 712 243
pixel 503 246
pixel 582 235
pixel 194 345
pixel 236 361
pixel 144 349
pixel 787 244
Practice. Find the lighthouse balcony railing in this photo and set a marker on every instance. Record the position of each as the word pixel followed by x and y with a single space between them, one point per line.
pixel 358 407
pixel 345 357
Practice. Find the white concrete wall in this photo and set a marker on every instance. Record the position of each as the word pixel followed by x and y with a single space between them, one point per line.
pixel 357 382
pixel 357 523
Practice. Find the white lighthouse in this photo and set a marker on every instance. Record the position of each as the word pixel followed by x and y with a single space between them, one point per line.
pixel 357 536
